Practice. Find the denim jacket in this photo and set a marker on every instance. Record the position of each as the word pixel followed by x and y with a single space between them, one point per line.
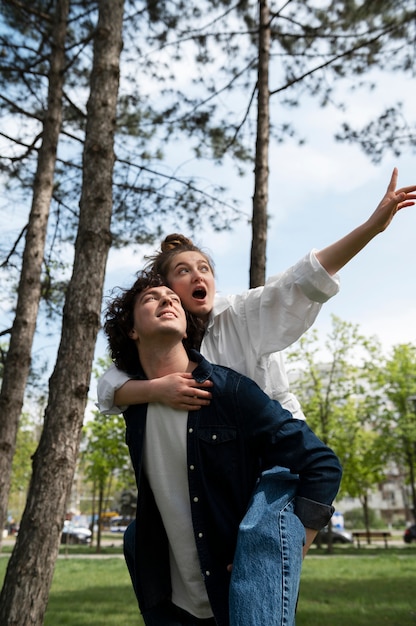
pixel 241 434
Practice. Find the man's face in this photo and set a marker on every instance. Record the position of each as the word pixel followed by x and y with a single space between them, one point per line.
pixel 158 313
pixel 191 277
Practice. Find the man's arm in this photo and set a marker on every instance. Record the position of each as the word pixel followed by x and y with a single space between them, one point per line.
pixel 335 256
pixel 310 536
pixel 281 441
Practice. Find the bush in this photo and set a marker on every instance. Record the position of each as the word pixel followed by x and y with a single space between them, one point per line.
pixel 355 519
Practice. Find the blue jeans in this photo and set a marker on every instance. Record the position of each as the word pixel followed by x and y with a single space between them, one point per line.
pixel 268 559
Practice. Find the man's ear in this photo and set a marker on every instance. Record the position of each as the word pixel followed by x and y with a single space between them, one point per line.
pixel 133 334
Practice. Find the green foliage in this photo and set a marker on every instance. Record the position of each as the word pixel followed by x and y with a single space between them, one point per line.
pixel 396 422
pixel 356 400
pixel 354 519
pixel 105 451
pixel 26 443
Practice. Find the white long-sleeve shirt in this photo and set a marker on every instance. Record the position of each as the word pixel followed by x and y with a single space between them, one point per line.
pixel 247 332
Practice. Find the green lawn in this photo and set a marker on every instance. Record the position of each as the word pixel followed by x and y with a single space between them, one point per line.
pixel 373 590
pixel 351 588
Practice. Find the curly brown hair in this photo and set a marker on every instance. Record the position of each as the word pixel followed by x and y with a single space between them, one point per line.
pixel 119 320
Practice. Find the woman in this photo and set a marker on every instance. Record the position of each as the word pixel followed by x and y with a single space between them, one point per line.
pixel 247 332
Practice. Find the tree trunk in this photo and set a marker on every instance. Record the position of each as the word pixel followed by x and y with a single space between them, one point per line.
pixel 100 515
pixel 366 518
pixel 261 170
pixel 26 587
pixel 411 456
pixel 16 367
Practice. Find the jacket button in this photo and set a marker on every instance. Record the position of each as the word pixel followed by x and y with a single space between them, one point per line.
pixel 192 467
pixel 214 437
pixel 196 499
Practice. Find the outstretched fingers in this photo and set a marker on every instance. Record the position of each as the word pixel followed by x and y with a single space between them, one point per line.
pixel 393 181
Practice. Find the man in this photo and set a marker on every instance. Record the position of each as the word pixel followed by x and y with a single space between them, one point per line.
pixel 196 474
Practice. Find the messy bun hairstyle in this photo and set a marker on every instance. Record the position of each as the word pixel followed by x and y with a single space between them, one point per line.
pixel 172 245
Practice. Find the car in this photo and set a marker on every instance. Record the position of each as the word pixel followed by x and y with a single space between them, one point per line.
pixel 410 534
pixel 338 536
pixel 74 534
pixel 119 524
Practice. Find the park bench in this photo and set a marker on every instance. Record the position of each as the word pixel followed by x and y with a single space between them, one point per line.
pixel 373 534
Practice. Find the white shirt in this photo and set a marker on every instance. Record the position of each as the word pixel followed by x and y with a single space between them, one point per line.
pixel 248 331
pixel 164 462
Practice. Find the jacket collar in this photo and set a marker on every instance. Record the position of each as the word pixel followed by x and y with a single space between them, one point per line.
pixel 203 369
pixel 201 373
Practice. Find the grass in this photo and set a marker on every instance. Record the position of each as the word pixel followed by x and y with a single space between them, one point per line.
pixel 90 592
pixel 360 590
pixel 364 587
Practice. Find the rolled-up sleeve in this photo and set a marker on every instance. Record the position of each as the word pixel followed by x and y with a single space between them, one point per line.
pixel 279 313
pixel 313 514
pixel 313 279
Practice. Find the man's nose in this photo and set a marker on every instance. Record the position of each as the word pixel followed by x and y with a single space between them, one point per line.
pixel 166 299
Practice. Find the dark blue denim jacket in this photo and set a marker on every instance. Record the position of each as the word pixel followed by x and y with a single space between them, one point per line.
pixel 229 444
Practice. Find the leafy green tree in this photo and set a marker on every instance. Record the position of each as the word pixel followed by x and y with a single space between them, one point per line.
pixel 364 456
pixel 335 393
pixel 105 456
pixel 330 375
pixel 27 440
pixel 397 420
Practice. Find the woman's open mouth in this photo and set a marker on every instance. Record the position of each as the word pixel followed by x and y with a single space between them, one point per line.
pixel 199 293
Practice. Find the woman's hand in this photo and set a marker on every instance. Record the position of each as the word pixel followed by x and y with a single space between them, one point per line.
pixel 392 202
pixel 179 391
pixel 338 254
